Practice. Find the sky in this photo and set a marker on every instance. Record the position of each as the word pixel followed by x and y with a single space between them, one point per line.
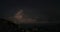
pixel 48 8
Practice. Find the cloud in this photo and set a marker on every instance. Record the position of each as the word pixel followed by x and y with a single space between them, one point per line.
pixel 20 17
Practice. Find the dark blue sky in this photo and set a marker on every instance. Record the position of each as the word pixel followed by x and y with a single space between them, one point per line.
pixel 43 7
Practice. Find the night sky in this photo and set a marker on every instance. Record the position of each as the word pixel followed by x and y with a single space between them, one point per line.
pixel 48 8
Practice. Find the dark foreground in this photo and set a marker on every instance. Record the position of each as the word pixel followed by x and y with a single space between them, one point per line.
pixel 6 26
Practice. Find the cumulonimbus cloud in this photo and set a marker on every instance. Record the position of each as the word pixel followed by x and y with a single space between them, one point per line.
pixel 20 17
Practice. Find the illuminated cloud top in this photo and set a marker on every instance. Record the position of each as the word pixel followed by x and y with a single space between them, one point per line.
pixel 20 17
